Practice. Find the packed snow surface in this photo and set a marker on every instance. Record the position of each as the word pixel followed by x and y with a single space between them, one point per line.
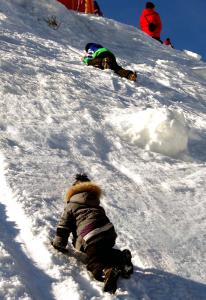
pixel 201 71
pixel 143 143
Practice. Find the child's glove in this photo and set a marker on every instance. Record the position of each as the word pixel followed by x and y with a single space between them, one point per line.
pixel 59 248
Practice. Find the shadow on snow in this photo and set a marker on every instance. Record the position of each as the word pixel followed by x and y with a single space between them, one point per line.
pixel 156 284
pixel 36 282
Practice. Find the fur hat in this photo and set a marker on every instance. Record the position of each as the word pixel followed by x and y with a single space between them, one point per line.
pixel 82 187
pixel 149 5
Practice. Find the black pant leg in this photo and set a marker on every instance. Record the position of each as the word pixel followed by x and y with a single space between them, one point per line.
pixel 114 65
pixel 158 39
pixel 96 62
pixel 95 261
pixel 111 60
pixel 100 258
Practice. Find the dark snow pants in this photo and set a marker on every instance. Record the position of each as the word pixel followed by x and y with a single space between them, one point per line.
pixel 98 63
pixel 101 255
pixel 158 39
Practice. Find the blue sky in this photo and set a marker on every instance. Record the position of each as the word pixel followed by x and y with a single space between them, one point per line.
pixel 183 21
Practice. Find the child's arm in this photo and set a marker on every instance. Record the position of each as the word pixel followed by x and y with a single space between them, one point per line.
pixel 63 231
pixel 87 58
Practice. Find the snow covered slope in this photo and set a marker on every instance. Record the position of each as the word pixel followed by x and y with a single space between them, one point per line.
pixel 143 142
pixel 200 71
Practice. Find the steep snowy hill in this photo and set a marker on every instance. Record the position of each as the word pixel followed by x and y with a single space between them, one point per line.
pixel 143 142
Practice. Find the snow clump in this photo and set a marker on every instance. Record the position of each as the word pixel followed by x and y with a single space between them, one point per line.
pixel 193 55
pixel 161 130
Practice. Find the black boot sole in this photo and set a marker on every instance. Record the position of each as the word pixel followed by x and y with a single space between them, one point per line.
pixel 110 284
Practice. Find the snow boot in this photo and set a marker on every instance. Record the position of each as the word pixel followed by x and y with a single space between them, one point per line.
pixel 126 269
pixel 106 63
pixel 132 76
pixel 110 279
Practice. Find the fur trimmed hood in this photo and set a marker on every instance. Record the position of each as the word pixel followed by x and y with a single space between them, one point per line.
pixel 82 187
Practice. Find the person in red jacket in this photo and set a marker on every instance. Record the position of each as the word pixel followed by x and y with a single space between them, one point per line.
pixel 150 21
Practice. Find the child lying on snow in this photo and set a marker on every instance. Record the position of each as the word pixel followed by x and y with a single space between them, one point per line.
pixel 93 234
pixel 98 56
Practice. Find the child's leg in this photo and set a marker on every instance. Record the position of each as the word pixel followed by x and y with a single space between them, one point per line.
pixel 102 255
pixel 108 61
pixel 95 261
pixel 102 267
pixel 122 260
pixel 126 74
pixel 99 257
pixel 96 62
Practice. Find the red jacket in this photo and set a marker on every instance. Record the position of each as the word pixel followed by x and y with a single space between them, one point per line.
pixel 78 5
pixel 150 16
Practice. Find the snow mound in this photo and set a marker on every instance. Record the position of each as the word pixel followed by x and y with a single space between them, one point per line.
pixel 193 55
pixel 161 130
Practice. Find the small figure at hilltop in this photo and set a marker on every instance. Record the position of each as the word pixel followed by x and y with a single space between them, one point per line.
pixel 97 9
pixel 167 42
pixel 93 234
pixel 150 21
pixel 100 57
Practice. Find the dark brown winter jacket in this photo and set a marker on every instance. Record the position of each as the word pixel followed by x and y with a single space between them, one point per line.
pixel 84 217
